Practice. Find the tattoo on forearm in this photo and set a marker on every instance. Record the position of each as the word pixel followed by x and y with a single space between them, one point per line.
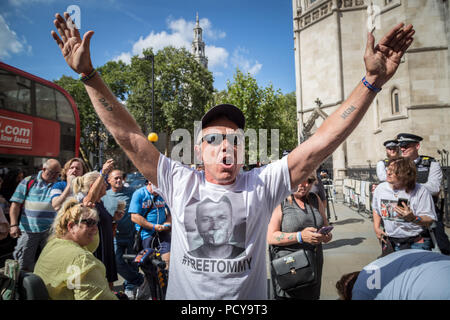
pixel 291 237
pixel 347 112
pixel 105 104
pixel 280 237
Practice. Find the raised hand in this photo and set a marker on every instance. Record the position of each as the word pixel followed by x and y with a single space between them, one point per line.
pixel 108 166
pixel 383 60
pixel 74 50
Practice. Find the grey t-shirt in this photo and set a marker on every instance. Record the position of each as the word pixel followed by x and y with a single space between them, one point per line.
pixel 411 274
pixel 419 200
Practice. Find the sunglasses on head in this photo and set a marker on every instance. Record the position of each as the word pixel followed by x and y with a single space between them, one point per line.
pixel 217 138
pixel 89 222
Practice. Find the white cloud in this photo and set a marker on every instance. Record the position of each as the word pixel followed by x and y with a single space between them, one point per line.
pixel 180 35
pixel 245 64
pixel 9 41
pixel 217 57
pixel 125 57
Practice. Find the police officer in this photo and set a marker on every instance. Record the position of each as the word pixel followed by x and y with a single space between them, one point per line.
pixel 392 150
pixel 429 174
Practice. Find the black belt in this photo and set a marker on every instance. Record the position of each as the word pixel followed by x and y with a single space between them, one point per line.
pixel 407 240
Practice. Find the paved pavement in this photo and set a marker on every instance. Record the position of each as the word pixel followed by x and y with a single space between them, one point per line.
pixel 354 245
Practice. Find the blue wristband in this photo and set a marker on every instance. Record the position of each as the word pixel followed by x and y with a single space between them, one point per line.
pixel 299 237
pixel 369 86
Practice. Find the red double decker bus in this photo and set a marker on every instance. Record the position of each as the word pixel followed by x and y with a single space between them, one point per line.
pixel 38 120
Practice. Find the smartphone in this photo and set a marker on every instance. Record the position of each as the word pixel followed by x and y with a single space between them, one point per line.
pixel 401 201
pixel 325 230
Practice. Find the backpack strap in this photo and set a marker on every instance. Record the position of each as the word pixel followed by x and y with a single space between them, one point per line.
pixel 30 184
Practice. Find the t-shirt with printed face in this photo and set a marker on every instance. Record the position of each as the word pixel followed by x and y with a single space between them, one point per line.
pixel 219 231
pixel 419 200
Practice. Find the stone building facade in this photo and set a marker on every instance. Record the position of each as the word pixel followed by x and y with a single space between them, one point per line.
pixel 329 43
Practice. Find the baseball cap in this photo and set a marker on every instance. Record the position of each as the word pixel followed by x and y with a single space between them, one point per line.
pixel 230 111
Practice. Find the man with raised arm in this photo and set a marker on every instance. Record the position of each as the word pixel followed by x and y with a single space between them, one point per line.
pixel 253 194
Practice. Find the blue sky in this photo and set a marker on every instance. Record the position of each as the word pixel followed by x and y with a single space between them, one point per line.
pixel 254 35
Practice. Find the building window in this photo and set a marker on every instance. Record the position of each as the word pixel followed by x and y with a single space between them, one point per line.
pixel 15 92
pixel 45 102
pixel 309 3
pixel 395 101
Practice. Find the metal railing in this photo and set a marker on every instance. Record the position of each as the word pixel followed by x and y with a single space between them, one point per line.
pixel 365 174
pixel 444 198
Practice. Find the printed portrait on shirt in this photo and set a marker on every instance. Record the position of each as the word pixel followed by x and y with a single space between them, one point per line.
pixel 387 210
pixel 214 230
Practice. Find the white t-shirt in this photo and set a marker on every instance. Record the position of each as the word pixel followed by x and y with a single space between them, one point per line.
pixel 253 197
pixel 419 200
pixel 381 170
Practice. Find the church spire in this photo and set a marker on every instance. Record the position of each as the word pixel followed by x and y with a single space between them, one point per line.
pixel 198 46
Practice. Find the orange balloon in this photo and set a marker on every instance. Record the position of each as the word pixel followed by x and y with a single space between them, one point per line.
pixel 153 137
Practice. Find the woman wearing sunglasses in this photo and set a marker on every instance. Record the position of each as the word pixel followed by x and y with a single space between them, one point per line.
pixel 66 265
pixel 89 189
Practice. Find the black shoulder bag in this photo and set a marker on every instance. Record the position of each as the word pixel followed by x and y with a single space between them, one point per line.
pixel 294 268
pixel 137 246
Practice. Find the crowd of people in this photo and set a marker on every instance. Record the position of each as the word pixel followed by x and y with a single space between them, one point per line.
pixel 211 225
pixel 69 218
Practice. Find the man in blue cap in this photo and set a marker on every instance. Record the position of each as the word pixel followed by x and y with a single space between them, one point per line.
pixel 392 150
pixel 429 174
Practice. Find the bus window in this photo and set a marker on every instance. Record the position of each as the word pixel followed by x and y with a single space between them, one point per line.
pixel 14 92
pixel 64 109
pixel 45 102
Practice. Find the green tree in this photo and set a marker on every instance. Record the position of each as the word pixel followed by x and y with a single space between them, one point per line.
pixel 183 90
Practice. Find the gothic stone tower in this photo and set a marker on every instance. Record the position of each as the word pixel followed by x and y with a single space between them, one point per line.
pixel 198 46
pixel 330 39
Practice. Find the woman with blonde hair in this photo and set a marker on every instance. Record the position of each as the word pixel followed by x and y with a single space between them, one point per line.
pixel 88 190
pixel 66 265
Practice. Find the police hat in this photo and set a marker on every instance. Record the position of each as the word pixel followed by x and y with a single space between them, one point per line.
pixel 391 143
pixel 405 138
pixel 230 111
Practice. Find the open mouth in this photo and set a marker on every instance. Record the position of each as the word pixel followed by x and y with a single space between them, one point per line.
pixel 227 161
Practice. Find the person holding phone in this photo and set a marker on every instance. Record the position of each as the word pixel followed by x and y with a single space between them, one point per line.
pixel 405 207
pixel 300 222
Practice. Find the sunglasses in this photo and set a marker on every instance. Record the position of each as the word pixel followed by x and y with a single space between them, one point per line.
pixel 407 145
pixel 217 138
pixel 89 222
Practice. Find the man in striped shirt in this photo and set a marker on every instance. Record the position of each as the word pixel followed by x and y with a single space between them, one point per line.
pixel 37 214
